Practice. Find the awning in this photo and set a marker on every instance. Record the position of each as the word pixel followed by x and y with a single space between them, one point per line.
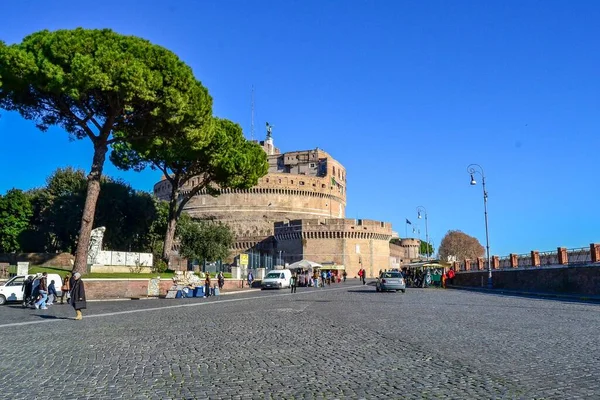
pixel 304 264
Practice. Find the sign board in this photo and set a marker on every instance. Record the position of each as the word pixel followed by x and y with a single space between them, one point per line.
pixel 154 287
pixel 244 259
pixel 171 294
pixel 22 268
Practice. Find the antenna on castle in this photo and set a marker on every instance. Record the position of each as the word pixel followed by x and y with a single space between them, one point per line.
pixel 252 119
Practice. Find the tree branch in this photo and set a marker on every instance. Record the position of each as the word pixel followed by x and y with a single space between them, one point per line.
pixel 163 169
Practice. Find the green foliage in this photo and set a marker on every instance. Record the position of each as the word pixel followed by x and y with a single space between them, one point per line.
pixel 426 248
pixel 159 266
pixel 59 207
pixel 91 81
pixel 218 154
pixel 15 212
pixel 134 220
pixel 213 157
pixel 201 240
pixel 94 83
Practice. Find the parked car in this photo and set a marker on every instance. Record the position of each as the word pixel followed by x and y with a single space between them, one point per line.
pixel 277 279
pixel 12 290
pixel 391 280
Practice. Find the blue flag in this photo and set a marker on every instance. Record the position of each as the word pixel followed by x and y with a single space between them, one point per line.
pixel 408 222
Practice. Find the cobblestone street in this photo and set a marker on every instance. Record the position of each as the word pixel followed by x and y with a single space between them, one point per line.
pixel 346 341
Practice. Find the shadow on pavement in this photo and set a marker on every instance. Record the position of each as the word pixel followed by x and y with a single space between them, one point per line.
pixel 51 317
pixel 363 291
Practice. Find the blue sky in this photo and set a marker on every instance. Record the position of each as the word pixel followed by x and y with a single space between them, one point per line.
pixel 404 94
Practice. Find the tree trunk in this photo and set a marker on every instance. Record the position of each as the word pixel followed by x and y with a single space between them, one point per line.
pixel 89 210
pixel 171 221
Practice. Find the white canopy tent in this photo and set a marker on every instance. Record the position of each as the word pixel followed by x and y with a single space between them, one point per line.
pixel 304 264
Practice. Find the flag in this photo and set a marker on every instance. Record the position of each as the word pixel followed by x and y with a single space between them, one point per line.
pixel 408 222
pixel 333 182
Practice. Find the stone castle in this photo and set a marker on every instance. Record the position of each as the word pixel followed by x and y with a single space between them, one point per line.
pixel 297 211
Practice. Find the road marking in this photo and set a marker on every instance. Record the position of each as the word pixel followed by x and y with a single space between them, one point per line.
pixel 56 319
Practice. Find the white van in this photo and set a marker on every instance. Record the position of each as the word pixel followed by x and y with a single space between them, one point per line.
pixel 12 290
pixel 277 279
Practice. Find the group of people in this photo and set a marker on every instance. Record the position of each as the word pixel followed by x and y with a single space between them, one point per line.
pixel 44 294
pixel 317 279
pixel 220 282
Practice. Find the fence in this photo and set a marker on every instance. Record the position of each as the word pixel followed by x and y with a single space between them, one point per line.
pixel 538 259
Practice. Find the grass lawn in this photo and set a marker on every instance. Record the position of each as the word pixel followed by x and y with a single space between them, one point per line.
pixel 117 275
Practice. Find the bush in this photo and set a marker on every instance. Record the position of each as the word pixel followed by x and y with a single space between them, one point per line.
pixel 159 267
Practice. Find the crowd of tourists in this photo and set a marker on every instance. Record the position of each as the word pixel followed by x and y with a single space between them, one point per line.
pixel 39 294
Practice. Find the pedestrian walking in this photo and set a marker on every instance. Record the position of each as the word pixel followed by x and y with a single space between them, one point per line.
pixel 28 291
pixel 250 279
pixel 78 300
pixel 363 276
pixel 65 288
pixel 207 285
pixel 444 280
pixel 221 280
pixel 344 275
pixel 294 282
pixel 43 291
pixel 52 295
pixel 451 275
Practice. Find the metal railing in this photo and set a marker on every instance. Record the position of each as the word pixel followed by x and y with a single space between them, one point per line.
pixel 575 256
pixel 524 260
pixel 548 258
pixel 504 262
pixel 578 256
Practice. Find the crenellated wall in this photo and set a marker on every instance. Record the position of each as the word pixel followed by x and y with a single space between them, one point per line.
pixel 349 242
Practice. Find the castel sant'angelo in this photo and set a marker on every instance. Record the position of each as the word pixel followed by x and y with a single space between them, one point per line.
pixel 298 211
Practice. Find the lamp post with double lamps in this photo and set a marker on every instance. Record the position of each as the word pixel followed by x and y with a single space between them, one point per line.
pixel 477 169
pixel 421 211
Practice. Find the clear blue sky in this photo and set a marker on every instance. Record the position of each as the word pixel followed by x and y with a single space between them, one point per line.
pixel 404 94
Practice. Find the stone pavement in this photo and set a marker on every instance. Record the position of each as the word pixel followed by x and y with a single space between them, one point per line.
pixel 333 343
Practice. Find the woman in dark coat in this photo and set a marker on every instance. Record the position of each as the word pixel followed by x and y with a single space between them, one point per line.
pixel 78 295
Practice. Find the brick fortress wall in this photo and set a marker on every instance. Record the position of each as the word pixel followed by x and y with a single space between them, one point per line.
pixel 278 196
pixel 349 242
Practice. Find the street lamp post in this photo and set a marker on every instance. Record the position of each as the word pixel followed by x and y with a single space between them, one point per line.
pixel 421 209
pixel 477 169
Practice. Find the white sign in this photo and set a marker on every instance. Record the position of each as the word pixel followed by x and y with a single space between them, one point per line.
pixel 22 268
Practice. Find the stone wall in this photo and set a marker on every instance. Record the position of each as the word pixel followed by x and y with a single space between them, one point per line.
pixel 97 289
pixel 558 279
pixel 352 243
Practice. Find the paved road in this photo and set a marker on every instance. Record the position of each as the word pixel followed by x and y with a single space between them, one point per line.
pixel 343 342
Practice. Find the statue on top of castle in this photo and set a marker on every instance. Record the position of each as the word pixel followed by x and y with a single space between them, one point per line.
pixel 269 130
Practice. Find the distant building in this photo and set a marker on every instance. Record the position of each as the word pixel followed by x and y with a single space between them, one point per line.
pixel 304 191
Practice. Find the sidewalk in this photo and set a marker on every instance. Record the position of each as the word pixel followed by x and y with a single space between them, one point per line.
pixel 228 293
pixel 544 295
